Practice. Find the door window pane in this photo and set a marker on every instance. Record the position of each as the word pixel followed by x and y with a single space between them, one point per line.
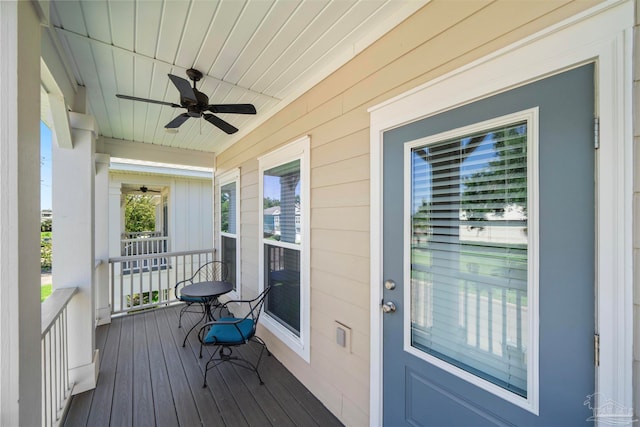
pixel 469 254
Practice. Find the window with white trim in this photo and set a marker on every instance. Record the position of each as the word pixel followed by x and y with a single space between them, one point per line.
pixel 284 243
pixel 471 260
pixel 229 220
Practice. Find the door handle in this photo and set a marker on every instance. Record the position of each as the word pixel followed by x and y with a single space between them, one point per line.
pixel 388 307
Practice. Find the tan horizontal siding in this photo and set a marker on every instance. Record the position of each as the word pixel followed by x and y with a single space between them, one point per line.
pixel 348 170
pixel 347 147
pixel 340 218
pixel 348 266
pixel 352 291
pixel 341 241
pixel 439 38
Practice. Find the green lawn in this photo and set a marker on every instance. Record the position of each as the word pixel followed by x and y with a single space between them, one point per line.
pixel 45 291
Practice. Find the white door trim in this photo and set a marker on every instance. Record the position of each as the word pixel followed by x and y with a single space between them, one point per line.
pixel 602 35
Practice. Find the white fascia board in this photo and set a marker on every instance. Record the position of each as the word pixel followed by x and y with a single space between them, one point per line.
pixel 122 165
pixel 154 153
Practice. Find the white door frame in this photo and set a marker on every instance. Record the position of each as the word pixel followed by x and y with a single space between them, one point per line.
pixel 603 35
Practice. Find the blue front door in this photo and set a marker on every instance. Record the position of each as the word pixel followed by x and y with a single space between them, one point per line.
pixel 489 259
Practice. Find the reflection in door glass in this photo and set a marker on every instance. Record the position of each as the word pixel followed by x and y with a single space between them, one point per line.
pixel 469 253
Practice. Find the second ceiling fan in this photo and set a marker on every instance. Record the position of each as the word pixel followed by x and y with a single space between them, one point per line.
pixel 197 104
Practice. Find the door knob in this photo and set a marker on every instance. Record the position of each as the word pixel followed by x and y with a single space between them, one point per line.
pixel 389 307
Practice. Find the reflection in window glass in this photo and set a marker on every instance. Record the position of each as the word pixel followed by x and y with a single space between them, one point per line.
pixel 469 254
pixel 229 256
pixel 228 208
pixel 281 227
pixel 281 203
pixel 282 272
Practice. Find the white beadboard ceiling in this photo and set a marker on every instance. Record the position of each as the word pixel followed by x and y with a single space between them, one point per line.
pixel 264 52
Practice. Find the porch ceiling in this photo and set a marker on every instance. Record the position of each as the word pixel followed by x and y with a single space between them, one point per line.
pixel 265 52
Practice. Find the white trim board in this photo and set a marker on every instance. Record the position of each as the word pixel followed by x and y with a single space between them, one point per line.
pixel 602 34
pixel 299 149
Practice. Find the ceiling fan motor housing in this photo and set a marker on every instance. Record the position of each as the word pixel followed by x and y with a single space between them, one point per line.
pixel 195 110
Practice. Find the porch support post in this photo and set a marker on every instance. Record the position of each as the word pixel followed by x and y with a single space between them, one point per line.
pixel 103 309
pixel 20 329
pixel 74 248
pixel 115 219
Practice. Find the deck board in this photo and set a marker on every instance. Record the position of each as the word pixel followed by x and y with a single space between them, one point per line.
pixel 147 378
pixel 164 407
pixel 143 410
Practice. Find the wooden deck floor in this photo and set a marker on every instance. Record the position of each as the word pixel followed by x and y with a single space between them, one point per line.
pixel 148 379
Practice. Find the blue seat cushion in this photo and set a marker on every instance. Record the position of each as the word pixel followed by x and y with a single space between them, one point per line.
pixel 192 299
pixel 228 333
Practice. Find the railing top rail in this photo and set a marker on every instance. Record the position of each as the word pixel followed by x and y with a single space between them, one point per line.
pixel 143 239
pixel 160 255
pixel 53 306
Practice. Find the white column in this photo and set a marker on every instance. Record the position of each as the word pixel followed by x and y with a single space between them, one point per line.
pixel 74 246
pixel 115 218
pixel 20 373
pixel 103 309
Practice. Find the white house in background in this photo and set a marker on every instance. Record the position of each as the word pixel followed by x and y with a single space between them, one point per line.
pixel 362 105
pixel 183 197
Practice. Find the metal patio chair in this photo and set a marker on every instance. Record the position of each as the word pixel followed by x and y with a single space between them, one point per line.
pixel 227 333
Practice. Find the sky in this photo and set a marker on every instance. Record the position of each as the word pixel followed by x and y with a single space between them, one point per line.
pixel 45 167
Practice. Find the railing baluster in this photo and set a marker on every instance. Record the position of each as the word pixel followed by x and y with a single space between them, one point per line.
pixel 56 386
pixel 142 280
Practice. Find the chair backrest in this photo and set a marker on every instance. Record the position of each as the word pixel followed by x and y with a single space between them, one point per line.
pixel 213 270
pixel 256 305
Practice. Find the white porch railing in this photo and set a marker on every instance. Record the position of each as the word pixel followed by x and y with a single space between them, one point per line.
pixel 138 234
pixel 145 281
pixel 143 245
pixel 56 387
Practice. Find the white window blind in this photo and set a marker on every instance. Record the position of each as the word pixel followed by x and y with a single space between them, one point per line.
pixel 469 253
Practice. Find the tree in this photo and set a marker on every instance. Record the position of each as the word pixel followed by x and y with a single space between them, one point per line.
pixel 503 181
pixel 224 210
pixel 139 213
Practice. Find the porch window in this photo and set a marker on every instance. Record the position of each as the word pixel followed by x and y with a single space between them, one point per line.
pixel 470 262
pixel 229 193
pixel 284 239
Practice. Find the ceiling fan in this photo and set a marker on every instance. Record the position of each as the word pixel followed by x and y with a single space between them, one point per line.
pixel 197 104
pixel 145 189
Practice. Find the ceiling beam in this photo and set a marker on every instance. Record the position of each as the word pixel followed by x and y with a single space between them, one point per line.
pixel 60 118
pixel 56 75
pixel 154 153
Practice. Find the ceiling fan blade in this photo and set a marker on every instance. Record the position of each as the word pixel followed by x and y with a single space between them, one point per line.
pixel 217 121
pixel 185 89
pixel 152 101
pixel 175 123
pixel 232 108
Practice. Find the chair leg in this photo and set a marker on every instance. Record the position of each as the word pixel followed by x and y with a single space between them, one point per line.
pixel 264 347
pixel 206 367
pixel 184 343
pixel 182 311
